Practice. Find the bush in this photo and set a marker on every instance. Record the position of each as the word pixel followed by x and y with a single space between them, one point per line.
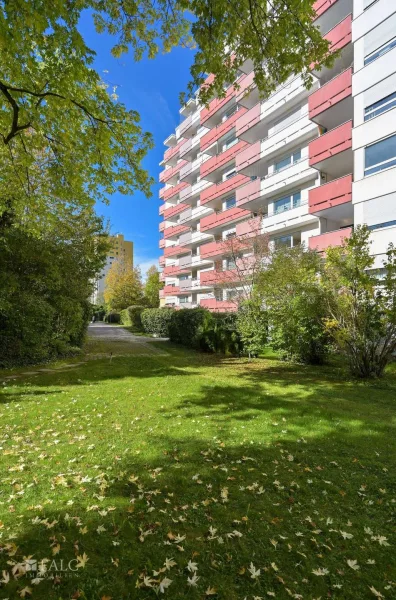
pixel 113 317
pixel 200 329
pixel 131 316
pixel 157 320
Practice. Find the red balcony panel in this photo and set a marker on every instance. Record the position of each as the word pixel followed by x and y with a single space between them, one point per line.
pixel 175 270
pixel 249 156
pixel 171 171
pixel 218 103
pixel 320 6
pixel 220 160
pixel 161 243
pixel 175 230
pixel 333 142
pixel 162 209
pixel 174 210
pixel 248 120
pixel 171 290
pixel 161 261
pixel 175 250
pixel 171 152
pixel 249 228
pixel 161 294
pixel 219 305
pixel 245 86
pixel 331 194
pixel 332 238
pixel 220 189
pixel 215 134
pixel 213 249
pixel 222 218
pixel 162 226
pixel 341 34
pixel 167 193
pixel 334 91
pixel 250 191
pixel 218 277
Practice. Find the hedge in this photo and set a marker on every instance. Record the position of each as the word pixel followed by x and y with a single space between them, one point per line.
pixel 131 316
pixel 113 317
pixel 200 329
pixel 157 320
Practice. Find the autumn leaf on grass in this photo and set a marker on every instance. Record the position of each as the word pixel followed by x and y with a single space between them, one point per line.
pixel 26 590
pixel 254 573
pixel 353 564
pixel 320 572
pixel 169 563
pixel 374 591
pixel 192 581
pixel 210 591
pixel 164 584
pixel 82 561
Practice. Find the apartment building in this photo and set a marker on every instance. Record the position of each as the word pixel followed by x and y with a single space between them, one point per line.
pixel 305 165
pixel 121 249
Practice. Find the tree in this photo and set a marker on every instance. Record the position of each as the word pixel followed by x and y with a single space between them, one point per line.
pixel 56 112
pixel 45 283
pixel 361 307
pixel 291 292
pixel 152 287
pixel 123 285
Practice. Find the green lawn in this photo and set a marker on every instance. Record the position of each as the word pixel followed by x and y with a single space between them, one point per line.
pixel 193 476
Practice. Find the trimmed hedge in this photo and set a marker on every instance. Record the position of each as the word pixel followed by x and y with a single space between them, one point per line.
pixel 200 329
pixel 113 317
pixel 157 320
pixel 131 316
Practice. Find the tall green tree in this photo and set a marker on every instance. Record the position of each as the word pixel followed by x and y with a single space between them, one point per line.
pixel 361 305
pixel 123 285
pixel 66 139
pixel 290 290
pixel 152 287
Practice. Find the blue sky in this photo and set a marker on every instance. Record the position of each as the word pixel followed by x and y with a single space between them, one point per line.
pixel 152 88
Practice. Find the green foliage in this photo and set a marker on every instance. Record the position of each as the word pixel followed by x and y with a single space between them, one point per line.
pixel 123 285
pixel 157 320
pixel 361 309
pixel 131 316
pixel 290 290
pixel 43 296
pixel 152 288
pixel 252 326
pixel 200 329
pixel 113 317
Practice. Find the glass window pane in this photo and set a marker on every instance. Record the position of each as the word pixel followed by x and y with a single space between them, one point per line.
pixel 282 204
pixel 230 202
pixel 381 155
pixel 283 163
pixel 379 107
pixel 296 199
pixel 297 156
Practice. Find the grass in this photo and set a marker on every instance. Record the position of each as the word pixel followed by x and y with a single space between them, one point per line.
pixel 230 479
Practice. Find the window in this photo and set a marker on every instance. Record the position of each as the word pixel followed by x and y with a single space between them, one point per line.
pixel 230 141
pixel 380 107
pixel 229 174
pixel 382 225
pixel 230 202
pixel 287 203
pixel 231 111
pixel 183 277
pixel 379 274
pixel 368 3
pixel 230 294
pixel 287 161
pixel 382 50
pixel 380 40
pixel 183 299
pixel 230 264
pixel 231 235
pixel 380 156
pixel 284 240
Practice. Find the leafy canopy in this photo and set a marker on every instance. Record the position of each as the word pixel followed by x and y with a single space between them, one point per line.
pixel 66 140
pixel 123 285
pixel 152 287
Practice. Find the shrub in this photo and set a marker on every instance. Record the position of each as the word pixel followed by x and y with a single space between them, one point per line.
pixel 252 326
pixel 157 320
pixel 131 316
pixel 113 317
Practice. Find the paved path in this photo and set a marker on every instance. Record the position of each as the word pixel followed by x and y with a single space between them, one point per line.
pixel 139 344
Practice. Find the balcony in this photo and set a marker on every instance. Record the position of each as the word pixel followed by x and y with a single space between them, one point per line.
pixel 219 305
pixel 250 228
pixel 211 116
pixel 191 215
pixel 191 239
pixel 193 284
pixel 188 128
pixel 217 221
pixel 190 170
pixel 294 176
pixel 340 38
pixel 294 218
pixel 161 261
pixel 331 104
pixel 249 194
pixel 175 250
pixel 161 294
pixel 172 192
pixel 211 168
pixel 162 226
pixel 332 152
pixel 161 243
pixel 247 95
pixel 332 238
pixel 192 192
pixel 324 198
pixel 246 124
pixel 175 231
pixel 331 12
pixel 213 278
pixel 174 270
pixel 173 211
pixel 194 261
pixel 169 175
pixel 213 135
pixel 171 155
pixel 214 250
pixel 171 290
pixel 214 193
